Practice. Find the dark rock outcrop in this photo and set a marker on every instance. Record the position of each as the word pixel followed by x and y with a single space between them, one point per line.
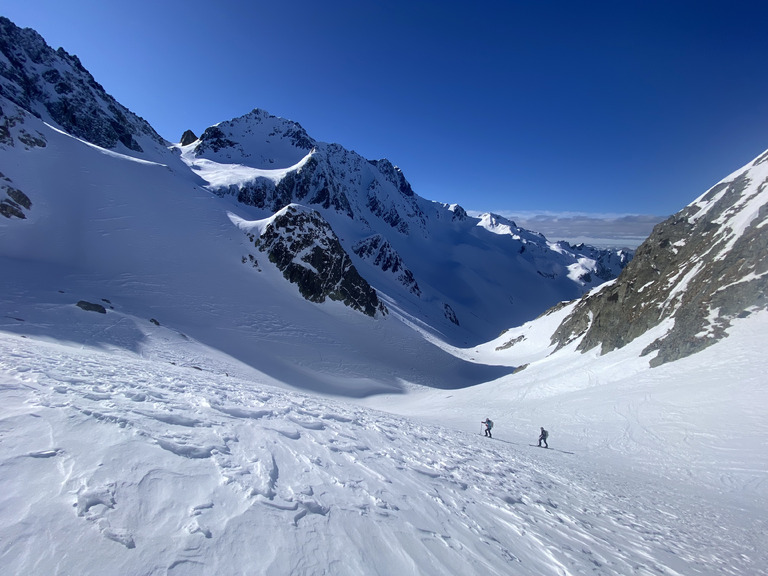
pixel 310 185
pixel 91 307
pixel 188 137
pixel 377 250
pixel 13 202
pixel 303 246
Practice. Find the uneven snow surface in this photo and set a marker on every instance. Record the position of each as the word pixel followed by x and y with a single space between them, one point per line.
pixel 120 463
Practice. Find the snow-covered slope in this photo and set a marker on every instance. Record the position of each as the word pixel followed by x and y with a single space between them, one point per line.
pixel 105 225
pixel 173 458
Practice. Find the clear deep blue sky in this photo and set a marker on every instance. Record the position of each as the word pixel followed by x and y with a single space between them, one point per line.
pixel 598 106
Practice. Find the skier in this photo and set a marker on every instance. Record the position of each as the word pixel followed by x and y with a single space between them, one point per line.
pixel 488 425
pixel 543 437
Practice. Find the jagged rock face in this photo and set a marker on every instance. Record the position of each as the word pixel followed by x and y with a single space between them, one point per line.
pixel 394 175
pixel 380 253
pixel 14 203
pixel 311 185
pixel 333 178
pixel 459 213
pixel 303 246
pixel 700 269
pixel 188 137
pixel 53 85
pixel 13 130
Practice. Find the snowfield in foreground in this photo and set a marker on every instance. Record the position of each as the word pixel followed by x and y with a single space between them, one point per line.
pixel 114 462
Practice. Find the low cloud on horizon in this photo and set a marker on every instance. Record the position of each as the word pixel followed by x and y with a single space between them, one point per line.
pixel 599 230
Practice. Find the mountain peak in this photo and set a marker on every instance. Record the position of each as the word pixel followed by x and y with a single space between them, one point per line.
pixel 430 259
pixel 257 139
pixel 188 138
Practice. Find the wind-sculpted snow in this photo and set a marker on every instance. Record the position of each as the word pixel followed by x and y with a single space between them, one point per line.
pixel 120 465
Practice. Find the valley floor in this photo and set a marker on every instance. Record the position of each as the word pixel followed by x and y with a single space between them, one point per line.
pixel 115 464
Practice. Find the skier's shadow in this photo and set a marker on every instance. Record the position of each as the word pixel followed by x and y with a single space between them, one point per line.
pixel 555 449
pixel 534 445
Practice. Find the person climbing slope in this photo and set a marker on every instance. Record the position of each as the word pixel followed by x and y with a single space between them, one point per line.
pixel 488 425
pixel 543 437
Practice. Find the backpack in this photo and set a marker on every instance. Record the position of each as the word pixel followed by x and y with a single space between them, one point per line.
pixel 490 424
pixel 545 434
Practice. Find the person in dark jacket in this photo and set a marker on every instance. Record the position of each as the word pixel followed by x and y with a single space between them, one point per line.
pixel 488 425
pixel 543 437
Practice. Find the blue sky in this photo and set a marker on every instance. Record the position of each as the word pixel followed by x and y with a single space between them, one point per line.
pixel 596 107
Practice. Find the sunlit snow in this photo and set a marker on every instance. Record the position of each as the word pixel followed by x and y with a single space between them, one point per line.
pixel 218 174
pixel 212 421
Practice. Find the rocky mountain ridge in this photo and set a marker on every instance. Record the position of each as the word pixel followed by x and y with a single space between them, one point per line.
pixel 53 85
pixel 699 269
pixel 395 238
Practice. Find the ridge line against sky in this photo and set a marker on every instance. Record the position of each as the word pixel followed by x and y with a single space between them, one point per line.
pixel 606 107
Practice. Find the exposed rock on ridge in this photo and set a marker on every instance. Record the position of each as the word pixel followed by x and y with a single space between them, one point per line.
pixel 485 269
pixel 54 85
pixel 311 184
pixel 187 138
pixel 700 269
pixel 303 246
pixel 333 178
pixel 380 253
pixel 268 163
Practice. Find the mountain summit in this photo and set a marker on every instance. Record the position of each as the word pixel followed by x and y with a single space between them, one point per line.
pixel 458 274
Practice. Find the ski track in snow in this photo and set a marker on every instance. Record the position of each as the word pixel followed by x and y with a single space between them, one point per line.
pixel 187 472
